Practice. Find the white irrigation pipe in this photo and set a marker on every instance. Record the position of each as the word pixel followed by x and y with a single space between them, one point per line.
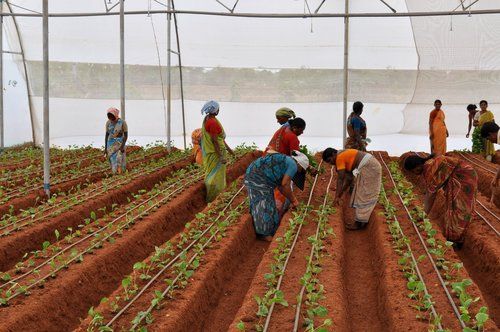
pixel 301 294
pixel 171 262
pixel 443 284
pixel 74 203
pixel 280 280
pixel 166 198
pixel 415 264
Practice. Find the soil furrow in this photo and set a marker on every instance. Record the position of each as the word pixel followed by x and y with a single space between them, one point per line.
pixel 66 299
pixel 15 245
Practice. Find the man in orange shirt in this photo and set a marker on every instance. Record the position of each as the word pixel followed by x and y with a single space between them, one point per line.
pixel 366 173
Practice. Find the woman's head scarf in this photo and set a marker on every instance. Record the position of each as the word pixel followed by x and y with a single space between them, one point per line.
pixel 285 112
pixel 210 107
pixel 113 111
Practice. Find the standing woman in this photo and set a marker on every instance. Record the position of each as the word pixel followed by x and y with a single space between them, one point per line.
pixel 263 176
pixel 459 183
pixel 477 141
pixel 437 129
pixel 283 115
pixel 196 141
pixel 115 140
pixel 213 147
pixel 485 115
pixel 356 128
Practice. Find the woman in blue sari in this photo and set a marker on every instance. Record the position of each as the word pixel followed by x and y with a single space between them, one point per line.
pixel 114 143
pixel 274 170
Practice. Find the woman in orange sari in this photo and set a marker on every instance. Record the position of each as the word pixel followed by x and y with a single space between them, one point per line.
pixel 437 130
pixel 196 140
pixel 459 183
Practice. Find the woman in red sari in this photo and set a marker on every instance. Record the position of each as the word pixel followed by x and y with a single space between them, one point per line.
pixel 284 141
pixel 459 183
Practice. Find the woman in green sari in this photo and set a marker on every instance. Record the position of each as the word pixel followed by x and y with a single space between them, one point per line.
pixel 213 147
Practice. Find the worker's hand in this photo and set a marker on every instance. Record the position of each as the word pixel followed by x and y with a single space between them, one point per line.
pixel 105 154
pixel 294 204
pixel 494 183
pixel 313 171
pixel 467 136
pixel 122 149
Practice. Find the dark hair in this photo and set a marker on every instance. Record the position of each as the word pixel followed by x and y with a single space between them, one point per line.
pixel 328 153
pixel 298 123
pixel 483 102
pixel 488 128
pixel 413 161
pixel 438 101
pixel 471 107
pixel 357 107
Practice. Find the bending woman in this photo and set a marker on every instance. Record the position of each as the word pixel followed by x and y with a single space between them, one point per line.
pixel 115 140
pixel 213 147
pixel 367 174
pixel 485 115
pixel 263 176
pixel 437 129
pixel 356 128
pixel 459 183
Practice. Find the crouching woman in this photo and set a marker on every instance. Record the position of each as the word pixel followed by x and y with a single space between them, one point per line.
pixel 272 171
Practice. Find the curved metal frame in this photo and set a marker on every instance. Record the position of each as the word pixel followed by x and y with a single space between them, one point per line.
pixel 26 79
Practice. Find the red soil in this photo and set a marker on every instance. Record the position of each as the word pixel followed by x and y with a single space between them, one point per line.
pixel 15 245
pixel 442 305
pixel 66 299
pixel 37 195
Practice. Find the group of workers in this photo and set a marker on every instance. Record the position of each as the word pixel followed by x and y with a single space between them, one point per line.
pixel 270 179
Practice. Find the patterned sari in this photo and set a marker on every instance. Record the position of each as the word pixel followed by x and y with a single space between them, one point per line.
pixel 262 177
pixel 215 171
pixel 437 132
pixel 488 147
pixel 351 142
pixel 117 159
pixel 459 183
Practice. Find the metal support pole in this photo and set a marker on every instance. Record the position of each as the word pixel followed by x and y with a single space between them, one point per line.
pixel 2 135
pixel 122 58
pixel 169 76
pixel 46 138
pixel 180 76
pixel 346 71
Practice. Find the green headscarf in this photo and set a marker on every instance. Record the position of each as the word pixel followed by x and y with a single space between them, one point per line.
pixel 285 112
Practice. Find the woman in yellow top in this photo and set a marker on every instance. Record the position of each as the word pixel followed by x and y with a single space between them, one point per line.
pixel 437 130
pixel 367 174
pixel 213 147
pixel 485 115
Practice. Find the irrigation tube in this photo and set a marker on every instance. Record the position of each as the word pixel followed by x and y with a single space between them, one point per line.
pixel 74 203
pixel 301 294
pixel 271 309
pixel 415 264
pixel 166 198
pixel 476 163
pixel 171 262
pixel 450 299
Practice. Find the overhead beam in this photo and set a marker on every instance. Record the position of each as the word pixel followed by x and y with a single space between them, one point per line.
pixel 271 15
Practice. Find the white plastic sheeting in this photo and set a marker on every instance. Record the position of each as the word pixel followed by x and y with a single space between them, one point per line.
pixel 398 66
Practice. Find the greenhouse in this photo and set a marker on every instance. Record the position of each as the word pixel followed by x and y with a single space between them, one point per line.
pixel 140 142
